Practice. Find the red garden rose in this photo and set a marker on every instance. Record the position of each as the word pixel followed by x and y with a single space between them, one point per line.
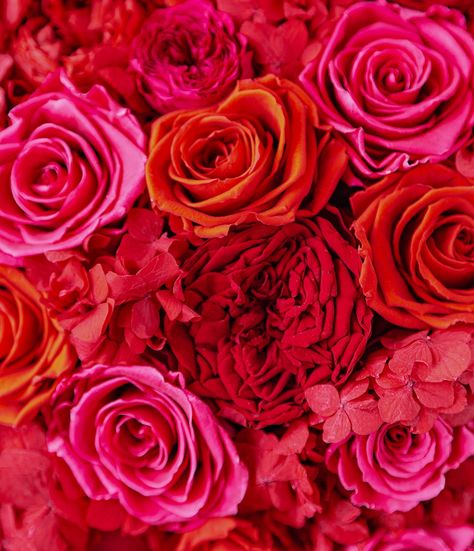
pixel 416 234
pixel 254 157
pixel 280 310
pixel 397 84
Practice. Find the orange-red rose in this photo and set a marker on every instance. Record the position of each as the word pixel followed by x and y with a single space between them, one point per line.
pixel 33 350
pixel 417 238
pixel 253 157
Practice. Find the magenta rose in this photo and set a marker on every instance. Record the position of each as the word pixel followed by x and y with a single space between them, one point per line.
pixel 128 434
pixel 280 310
pixel 397 84
pixel 188 56
pixel 69 164
pixel 393 469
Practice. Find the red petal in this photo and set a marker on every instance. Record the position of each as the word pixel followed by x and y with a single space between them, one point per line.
pixel 435 395
pixel 353 390
pixel 452 356
pixel 294 439
pixel 404 359
pixel 364 415
pixel 398 405
pixel 323 399
pixel 337 427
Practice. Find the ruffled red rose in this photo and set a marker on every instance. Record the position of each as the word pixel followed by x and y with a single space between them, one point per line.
pixel 280 310
pixel 416 233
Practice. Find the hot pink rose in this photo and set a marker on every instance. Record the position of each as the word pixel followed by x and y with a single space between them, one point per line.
pixel 188 56
pixel 128 434
pixel 69 163
pixel 398 84
pixel 394 469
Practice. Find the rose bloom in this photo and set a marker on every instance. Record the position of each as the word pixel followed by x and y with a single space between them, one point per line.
pixel 280 310
pixel 416 232
pixel 394 469
pixel 397 84
pixel 69 163
pixel 33 349
pixel 253 157
pixel 188 56
pixel 128 434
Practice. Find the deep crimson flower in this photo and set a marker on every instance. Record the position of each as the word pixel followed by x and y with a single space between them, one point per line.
pixel 280 310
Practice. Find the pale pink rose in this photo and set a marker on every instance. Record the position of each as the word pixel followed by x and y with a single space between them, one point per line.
pixel 128 434
pixel 398 84
pixel 420 539
pixel 394 469
pixel 188 56
pixel 69 164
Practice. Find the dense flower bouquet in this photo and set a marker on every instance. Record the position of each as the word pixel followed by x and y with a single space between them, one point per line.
pixel 236 275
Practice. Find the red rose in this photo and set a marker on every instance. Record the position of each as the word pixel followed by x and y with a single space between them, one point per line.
pixel 280 310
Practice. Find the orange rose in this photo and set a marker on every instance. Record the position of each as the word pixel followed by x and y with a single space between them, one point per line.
pixel 256 156
pixel 33 349
pixel 417 239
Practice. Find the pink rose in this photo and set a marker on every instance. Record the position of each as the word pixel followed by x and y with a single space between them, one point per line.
pixel 188 56
pixel 128 434
pixel 69 163
pixel 398 84
pixel 394 469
